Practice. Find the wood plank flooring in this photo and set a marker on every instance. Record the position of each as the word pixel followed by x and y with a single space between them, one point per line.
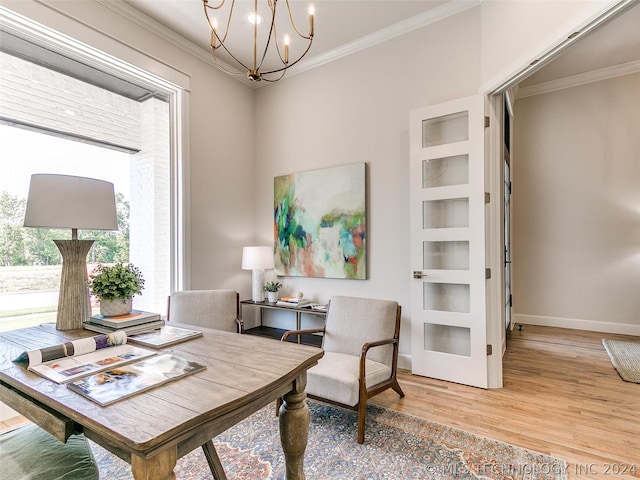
pixel 561 397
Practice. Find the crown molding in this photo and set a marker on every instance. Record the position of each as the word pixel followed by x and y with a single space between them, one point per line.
pixel 151 25
pixel 579 79
pixel 386 34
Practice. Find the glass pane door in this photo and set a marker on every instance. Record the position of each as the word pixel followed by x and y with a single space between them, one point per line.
pixel 448 313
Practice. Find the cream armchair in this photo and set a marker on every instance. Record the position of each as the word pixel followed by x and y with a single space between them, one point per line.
pixel 218 309
pixel 361 354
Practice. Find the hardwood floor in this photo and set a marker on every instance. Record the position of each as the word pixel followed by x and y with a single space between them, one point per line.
pixel 561 396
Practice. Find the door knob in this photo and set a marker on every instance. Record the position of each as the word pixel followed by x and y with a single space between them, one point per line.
pixel 418 274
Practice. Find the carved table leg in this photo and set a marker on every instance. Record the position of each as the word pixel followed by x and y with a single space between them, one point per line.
pixel 159 467
pixel 294 429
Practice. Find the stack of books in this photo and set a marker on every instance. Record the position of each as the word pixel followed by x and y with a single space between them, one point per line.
pixel 137 321
pixel 292 302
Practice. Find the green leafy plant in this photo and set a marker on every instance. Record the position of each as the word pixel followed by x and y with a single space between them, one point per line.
pixel 118 281
pixel 272 286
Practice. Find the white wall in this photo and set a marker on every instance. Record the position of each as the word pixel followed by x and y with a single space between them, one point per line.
pixel 576 207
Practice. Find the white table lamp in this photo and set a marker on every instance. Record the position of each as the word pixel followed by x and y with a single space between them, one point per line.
pixel 65 201
pixel 257 259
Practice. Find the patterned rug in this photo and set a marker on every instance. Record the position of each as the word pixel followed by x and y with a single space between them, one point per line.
pixel 397 447
pixel 625 357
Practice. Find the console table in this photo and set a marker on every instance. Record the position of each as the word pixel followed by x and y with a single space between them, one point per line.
pixel 277 333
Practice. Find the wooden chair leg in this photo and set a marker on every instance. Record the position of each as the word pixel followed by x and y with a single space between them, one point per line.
pixel 214 461
pixel 362 412
pixel 397 389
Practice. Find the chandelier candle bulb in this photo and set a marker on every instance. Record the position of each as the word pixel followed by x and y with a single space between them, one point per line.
pixel 286 49
pixel 311 12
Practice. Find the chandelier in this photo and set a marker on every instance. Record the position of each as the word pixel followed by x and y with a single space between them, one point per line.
pixel 270 56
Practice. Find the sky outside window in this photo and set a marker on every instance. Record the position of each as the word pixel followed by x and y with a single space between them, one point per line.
pixel 26 152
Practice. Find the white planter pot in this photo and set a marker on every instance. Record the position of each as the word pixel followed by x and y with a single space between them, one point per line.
pixel 113 308
pixel 272 297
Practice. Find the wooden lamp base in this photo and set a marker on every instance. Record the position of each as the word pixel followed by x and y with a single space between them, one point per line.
pixel 73 304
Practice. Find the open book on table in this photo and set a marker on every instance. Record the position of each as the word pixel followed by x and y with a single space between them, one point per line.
pixel 72 360
pixel 118 383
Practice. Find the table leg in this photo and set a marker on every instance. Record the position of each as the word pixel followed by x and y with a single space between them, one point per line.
pixel 294 429
pixel 159 467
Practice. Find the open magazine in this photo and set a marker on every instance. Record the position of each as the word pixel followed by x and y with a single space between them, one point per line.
pixel 72 360
pixel 116 384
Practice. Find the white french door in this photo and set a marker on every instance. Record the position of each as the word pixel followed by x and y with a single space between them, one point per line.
pixel 448 301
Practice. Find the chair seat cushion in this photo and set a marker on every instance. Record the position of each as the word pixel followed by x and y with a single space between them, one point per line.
pixel 30 453
pixel 335 377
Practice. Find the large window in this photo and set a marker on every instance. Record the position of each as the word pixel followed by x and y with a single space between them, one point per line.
pixel 65 108
pixel 30 262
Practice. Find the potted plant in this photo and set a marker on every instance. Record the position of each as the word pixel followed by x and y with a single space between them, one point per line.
pixel 272 289
pixel 115 286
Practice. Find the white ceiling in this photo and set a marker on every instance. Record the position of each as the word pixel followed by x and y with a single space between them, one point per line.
pixel 340 24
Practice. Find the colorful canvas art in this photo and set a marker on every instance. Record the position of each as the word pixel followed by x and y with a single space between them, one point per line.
pixel 320 223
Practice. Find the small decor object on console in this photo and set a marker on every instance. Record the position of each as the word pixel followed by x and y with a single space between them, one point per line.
pixel 115 286
pixel 272 289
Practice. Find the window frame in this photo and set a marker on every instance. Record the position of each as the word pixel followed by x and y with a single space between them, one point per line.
pixel 168 81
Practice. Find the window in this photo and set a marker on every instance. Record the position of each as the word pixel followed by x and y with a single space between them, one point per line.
pixel 84 113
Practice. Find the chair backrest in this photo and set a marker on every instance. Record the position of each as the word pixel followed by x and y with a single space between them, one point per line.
pixel 353 321
pixel 205 308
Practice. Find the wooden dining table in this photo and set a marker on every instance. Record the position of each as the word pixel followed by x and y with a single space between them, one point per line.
pixel 152 429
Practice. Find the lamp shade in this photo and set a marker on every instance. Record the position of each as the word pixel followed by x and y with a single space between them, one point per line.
pixel 257 258
pixel 66 201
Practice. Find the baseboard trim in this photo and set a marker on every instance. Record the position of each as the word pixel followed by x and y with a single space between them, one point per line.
pixel 577 324
pixel 404 361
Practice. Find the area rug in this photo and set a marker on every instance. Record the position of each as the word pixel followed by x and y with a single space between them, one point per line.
pixel 397 447
pixel 625 357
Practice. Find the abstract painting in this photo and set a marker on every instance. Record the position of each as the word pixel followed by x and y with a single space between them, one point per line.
pixel 320 223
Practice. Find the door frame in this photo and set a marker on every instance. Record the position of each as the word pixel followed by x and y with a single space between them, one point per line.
pixel 494 174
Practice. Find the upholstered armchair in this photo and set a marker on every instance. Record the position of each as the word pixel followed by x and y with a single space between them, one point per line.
pixel 218 309
pixel 361 354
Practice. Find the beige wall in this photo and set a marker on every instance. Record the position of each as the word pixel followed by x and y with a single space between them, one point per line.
pixel 576 207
